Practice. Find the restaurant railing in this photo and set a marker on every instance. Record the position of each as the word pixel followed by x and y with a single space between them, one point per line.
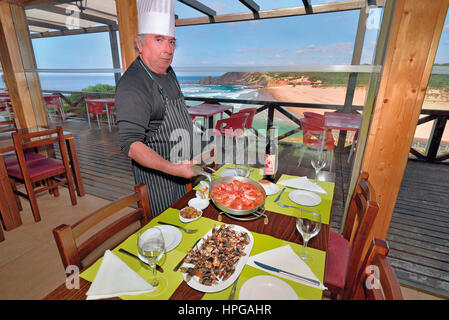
pixel 430 153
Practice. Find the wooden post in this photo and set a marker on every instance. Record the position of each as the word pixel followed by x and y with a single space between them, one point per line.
pixel 16 55
pixel 127 27
pixel 412 45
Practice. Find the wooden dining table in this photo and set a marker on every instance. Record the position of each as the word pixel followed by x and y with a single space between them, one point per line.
pixel 342 121
pixel 8 210
pixel 279 226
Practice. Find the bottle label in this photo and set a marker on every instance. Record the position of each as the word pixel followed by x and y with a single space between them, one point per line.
pixel 270 164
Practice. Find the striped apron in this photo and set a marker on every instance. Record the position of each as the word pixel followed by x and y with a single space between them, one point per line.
pixel 172 141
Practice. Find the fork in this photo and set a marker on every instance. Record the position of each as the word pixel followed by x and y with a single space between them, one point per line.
pixel 234 287
pixel 183 229
pixel 284 205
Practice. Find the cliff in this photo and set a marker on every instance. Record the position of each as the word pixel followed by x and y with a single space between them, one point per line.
pixel 239 78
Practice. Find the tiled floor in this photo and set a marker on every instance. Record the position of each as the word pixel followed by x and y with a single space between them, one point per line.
pixel 30 266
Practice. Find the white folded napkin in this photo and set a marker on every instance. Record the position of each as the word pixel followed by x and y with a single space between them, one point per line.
pixel 114 278
pixel 303 183
pixel 286 259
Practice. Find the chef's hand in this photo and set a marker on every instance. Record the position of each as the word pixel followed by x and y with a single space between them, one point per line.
pixel 184 170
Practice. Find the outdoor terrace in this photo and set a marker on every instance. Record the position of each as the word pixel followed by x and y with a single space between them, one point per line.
pixel 419 232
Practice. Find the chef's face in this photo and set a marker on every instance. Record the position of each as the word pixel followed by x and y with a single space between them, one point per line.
pixel 157 51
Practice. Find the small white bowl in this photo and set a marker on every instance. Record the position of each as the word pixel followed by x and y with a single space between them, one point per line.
pixel 184 220
pixel 198 203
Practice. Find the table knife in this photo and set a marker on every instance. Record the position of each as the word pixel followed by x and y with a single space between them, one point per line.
pixel 279 196
pixel 158 267
pixel 267 267
pixel 182 260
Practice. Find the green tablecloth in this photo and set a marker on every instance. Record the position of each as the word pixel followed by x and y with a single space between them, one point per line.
pixel 170 280
pixel 325 206
pixel 263 243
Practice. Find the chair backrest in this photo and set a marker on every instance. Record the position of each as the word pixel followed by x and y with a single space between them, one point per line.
pixel 250 112
pixel 110 220
pixel 95 107
pixel 232 126
pixel 33 140
pixel 314 115
pixel 362 213
pixel 312 131
pixel 52 102
pixel 376 279
pixel 7 126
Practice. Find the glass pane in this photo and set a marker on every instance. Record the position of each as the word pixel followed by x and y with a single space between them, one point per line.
pixel 436 101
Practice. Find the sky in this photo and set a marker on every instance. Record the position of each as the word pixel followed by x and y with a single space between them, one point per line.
pixel 321 39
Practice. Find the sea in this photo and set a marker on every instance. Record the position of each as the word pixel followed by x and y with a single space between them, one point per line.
pixel 189 87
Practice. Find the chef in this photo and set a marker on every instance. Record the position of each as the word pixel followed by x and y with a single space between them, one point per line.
pixel 154 126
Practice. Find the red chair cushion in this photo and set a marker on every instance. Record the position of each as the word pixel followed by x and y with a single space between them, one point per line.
pixel 37 168
pixel 337 260
pixel 11 159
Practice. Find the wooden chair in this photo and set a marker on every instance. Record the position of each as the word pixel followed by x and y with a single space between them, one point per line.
pixel 344 253
pixel 8 126
pixel 41 170
pixel 375 279
pixel 68 238
pixel 2 236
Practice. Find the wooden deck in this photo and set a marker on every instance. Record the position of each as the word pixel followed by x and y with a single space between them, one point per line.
pixel 419 232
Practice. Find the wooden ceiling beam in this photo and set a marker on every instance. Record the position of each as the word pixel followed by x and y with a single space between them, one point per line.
pixel 198 6
pixel 82 15
pixel 277 13
pixel 36 4
pixel 43 24
pixel 72 32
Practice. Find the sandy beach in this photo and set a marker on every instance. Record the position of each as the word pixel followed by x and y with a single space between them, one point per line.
pixel 336 95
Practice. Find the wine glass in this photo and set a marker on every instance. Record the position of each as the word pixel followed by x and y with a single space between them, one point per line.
pixel 308 224
pixel 318 162
pixel 242 170
pixel 151 246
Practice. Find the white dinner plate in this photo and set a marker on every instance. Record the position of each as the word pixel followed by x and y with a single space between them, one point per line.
pixel 266 288
pixel 198 203
pixel 221 285
pixel 305 198
pixel 172 237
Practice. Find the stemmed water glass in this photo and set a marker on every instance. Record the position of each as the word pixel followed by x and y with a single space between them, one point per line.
pixel 308 224
pixel 151 246
pixel 318 162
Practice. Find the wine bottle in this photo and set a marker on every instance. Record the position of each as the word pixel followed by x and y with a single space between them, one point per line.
pixel 271 161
